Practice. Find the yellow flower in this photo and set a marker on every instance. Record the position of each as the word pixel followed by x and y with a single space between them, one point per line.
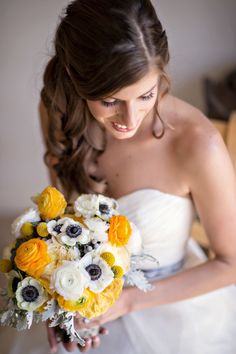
pixel 109 258
pixel 99 303
pixel 46 284
pixel 75 305
pixel 118 271
pixel 51 203
pixel 42 229
pixel 120 230
pixel 5 265
pixel 27 229
pixel 32 257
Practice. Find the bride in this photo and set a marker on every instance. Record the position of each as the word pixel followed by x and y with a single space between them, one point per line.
pixel 112 126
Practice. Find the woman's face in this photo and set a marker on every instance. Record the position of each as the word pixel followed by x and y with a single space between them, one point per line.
pixel 123 113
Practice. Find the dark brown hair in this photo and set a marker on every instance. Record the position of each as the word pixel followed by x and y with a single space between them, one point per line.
pixel 100 47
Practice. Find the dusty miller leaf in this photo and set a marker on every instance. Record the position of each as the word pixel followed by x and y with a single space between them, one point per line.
pixel 137 278
pixel 51 309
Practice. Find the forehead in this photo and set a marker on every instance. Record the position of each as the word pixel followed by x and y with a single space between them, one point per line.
pixel 139 88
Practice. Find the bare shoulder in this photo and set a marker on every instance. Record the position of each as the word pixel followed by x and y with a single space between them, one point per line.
pixel 196 137
pixel 202 157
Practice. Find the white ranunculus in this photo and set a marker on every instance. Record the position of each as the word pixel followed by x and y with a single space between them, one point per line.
pixel 30 294
pixel 58 254
pixel 29 215
pixel 134 245
pixel 68 231
pixel 98 229
pixel 99 272
pixel 86 205
pixel 69 280
pixel 121 254
pixel 89 205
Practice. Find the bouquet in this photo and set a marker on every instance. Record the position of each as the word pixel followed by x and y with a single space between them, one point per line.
pixel 67 260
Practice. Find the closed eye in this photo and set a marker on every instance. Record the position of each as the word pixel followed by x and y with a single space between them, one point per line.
pixel 114 103
pixel 148 97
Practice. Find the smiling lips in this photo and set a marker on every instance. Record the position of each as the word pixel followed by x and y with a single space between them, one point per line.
pixel 121 128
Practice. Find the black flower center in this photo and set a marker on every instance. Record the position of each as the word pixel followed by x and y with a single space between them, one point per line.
pixel 104 208
pixel 57 228
pixel 94 271
pixel 30 293
pixel 73 231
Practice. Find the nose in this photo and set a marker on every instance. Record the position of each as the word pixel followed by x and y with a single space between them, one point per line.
pixel 129 114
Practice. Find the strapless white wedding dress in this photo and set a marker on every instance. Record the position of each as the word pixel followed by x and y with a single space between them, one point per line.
pixel 205 324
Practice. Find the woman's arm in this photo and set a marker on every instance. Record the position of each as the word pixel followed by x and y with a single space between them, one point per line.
pixel 212 181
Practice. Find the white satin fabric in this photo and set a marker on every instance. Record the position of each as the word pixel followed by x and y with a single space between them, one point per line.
pixel 202 325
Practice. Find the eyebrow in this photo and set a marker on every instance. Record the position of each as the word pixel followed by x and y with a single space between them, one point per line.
pixel 138 97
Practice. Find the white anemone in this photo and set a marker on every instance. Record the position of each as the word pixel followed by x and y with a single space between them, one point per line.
pixel 69 280
pixel 68 231
pixel 30 294
pixel 99 272
pixel 89 205
pixel 29 215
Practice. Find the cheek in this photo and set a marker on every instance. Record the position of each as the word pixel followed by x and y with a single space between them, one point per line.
pixel 98 111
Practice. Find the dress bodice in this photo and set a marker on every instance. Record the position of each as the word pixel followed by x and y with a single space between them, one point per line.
pixel 164 221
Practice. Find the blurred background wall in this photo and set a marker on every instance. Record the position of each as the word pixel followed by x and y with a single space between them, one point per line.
pixel 202 42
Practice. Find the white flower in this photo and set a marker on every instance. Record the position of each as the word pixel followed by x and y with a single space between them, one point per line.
pixel 58 254
pixel 69 280
pixel 134 245
pixel 53 227
pixel 121 254
pixel 98 229
pixel 30 294
pixel 89 205
pixel 29 215
pixel 68 232
pixel 99 272
pixel 13 279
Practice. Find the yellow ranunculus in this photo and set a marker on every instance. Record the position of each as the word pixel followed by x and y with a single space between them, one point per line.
pixel 75 305
pixel 99 303
pixel 32 257
pixel 119 231
pixel 51 203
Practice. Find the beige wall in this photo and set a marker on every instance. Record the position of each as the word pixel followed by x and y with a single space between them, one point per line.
pixel 202 41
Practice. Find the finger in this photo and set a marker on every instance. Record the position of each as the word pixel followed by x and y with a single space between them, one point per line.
pixel 52 339
pixel 103 331
pixel 70 346
pixel 87 347
pixel 95 342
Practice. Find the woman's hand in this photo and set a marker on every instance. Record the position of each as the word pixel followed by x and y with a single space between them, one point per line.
pixel 92 342
pixel 120 308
